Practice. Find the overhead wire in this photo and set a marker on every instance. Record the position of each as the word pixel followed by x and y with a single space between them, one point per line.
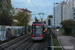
pixel 35 6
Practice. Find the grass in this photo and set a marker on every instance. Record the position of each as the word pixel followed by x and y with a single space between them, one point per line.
pixel 56 44
pixel 62 31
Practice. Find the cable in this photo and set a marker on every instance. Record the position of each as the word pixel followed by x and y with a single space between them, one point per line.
pixel 35 6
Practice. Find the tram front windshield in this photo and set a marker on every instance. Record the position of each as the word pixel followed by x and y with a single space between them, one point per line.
pixel 37 29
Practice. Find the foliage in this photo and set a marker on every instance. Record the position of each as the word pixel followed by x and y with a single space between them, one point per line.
pixel 21 17
pixel 4 20
pixel 29 27
pixel 6 12
pixel 56 43
pixel 68 24
pixel 6 8
pixel 62 31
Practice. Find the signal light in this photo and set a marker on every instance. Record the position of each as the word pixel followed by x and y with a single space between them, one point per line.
pixel 32 35
pixel 44 31
pixel 41 35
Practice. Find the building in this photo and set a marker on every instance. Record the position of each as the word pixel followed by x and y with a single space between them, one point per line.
pixel 31 21
pixel 42 21
pixel 17 10
pixel 58 16
pixel 49 20
pixel 64 11
pixel 73 10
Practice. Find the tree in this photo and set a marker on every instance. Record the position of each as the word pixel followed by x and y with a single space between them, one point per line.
pixel 21 17
pixel 68 25
pixel 6 8
pixel 4 20
pixel 6 12
pixel 45 22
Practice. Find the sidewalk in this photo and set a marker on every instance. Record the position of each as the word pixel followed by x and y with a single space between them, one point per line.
pixel 57 33
pixel 67 42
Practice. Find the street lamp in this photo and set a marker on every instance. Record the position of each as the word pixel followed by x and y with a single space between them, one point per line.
pixel 54 16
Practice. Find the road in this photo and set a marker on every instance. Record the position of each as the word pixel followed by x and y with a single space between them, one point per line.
pixel 26 43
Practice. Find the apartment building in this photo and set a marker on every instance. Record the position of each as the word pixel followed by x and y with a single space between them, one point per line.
pixel 64 11
pixel 73 10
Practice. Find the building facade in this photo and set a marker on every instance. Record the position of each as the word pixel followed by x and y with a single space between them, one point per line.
pixel 49 20
pixel 17 10
pixel 64 11
pixel 31 21
pixel 73 10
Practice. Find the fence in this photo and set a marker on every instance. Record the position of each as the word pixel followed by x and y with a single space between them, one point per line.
pixel 6 32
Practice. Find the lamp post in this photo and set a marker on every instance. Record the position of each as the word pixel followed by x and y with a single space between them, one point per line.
pixel 54 16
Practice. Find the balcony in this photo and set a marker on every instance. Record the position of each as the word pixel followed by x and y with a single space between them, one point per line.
pixel 73 15
pixel 73 11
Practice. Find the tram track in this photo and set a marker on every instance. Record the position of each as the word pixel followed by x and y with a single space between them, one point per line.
pixel 26 43
pixel 8 44
pixel 14 46
pixel 28 46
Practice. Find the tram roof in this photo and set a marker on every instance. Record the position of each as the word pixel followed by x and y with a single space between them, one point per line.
pixel 38 22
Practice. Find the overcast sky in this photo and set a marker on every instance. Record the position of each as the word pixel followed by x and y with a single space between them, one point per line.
pixel 44 6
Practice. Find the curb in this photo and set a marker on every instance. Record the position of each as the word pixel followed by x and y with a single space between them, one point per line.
pixel 52 42
pixel 60 43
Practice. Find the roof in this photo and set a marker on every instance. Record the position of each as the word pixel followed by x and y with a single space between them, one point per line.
pixel 38 23
pixel 25 10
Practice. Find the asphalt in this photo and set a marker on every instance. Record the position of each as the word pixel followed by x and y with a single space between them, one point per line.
pixel 66 42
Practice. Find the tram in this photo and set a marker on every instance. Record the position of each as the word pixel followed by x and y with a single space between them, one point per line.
pixel 38 31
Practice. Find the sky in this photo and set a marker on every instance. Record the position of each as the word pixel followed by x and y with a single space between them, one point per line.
pixel 43 6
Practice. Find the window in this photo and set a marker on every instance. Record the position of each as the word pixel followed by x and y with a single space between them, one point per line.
pixel 74 17
pixel 49 22
pixel 37 29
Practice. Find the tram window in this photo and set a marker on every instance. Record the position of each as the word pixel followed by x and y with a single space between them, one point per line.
pixel 37 29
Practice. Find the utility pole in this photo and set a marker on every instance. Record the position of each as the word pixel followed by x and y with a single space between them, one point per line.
pixel 26 20
pixel 54 16
pixel 42 16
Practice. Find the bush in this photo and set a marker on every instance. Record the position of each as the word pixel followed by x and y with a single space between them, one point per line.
pixel 68 25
